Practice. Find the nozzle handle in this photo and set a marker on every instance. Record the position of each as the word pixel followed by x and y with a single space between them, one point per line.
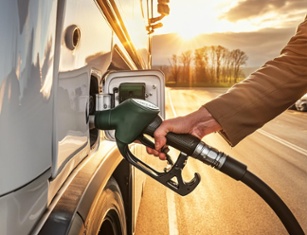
pixel 184 142
pixel 194 147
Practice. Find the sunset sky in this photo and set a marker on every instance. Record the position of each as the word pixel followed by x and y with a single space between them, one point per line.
pixel 259 21
pixel 191 17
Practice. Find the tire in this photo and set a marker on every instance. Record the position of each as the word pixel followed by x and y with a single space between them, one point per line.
pixel 108 217
pixel 302 107
pixel 292 107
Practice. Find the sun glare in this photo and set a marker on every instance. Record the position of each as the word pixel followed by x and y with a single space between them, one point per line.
pixel 189 32
pixel 191 18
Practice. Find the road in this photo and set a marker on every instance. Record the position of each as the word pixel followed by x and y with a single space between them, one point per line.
pixel 277 153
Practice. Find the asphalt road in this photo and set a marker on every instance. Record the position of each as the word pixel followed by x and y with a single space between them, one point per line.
pixel 277 153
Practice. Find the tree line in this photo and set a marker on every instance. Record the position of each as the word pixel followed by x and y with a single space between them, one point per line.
pixel 206 65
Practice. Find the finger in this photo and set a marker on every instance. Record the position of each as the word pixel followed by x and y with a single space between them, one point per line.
pixel 162 156
pixel 160 142
pixel 152 151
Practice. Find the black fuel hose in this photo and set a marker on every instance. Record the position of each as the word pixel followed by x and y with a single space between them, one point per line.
pixel 275 202
pixel 238 171
pixel 196 148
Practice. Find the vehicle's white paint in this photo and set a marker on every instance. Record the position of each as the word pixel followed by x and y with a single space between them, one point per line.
pixel 44 98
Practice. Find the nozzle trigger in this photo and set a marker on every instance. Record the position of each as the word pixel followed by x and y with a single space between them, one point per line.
pixel 145 141
pixel 171 178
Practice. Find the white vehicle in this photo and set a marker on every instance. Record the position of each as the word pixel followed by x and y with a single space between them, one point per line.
pixel 301 104
pixel 58 173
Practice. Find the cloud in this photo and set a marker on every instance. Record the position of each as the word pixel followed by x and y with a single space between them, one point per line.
pixel 256 8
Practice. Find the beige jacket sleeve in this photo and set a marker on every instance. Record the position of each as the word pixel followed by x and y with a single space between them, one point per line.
pixel 266 93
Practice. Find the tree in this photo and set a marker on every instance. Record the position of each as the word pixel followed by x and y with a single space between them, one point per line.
pixel 220 54
pixel 239 58
pixel 186 58
pixel 174 68
pixel 226 66
pixel 212 64
pixel 201 64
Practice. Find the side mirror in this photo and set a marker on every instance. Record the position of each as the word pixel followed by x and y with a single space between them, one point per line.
pixel 163 7
pixel 164 10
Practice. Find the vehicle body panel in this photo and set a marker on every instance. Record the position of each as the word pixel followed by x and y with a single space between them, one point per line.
pixel 52 54
pixel 21 209
pixel 26 80
pixel 73 81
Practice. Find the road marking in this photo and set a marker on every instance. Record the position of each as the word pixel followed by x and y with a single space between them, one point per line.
pixel 171 104
pixel 172 216
pixel 284 142
pixel 170 197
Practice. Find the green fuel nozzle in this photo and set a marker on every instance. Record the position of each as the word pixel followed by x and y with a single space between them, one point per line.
pixel 133 118
pixel 128 119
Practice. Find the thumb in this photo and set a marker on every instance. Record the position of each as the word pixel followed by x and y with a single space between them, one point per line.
pixel 160 142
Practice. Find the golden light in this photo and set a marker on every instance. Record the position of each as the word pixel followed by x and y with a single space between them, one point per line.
pixel 194 17
pixel 191 18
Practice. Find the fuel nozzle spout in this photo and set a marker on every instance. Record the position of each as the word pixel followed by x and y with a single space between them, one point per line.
pixel 128 119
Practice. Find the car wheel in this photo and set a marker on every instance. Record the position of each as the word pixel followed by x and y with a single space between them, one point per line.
pixel 292 107
pixel 108 217
pixel 302 107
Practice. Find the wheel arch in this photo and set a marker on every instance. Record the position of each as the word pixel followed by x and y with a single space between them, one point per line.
pixel 123 176
pixel 75 202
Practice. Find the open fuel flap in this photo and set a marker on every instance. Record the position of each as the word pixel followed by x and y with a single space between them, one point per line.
pixel 121 85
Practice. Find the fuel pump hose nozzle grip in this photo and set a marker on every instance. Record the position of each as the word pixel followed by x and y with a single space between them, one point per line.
pixel 129 120
pixel 194 147
pixel 133 118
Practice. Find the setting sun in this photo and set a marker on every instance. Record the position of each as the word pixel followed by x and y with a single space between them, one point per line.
pixel 191 18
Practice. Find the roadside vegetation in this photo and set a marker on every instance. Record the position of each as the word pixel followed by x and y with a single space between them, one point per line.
pixel 206 66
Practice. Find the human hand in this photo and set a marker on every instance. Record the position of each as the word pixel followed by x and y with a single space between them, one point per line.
pixel 198 123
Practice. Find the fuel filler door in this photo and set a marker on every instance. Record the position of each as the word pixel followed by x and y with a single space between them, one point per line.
pixel 121 85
